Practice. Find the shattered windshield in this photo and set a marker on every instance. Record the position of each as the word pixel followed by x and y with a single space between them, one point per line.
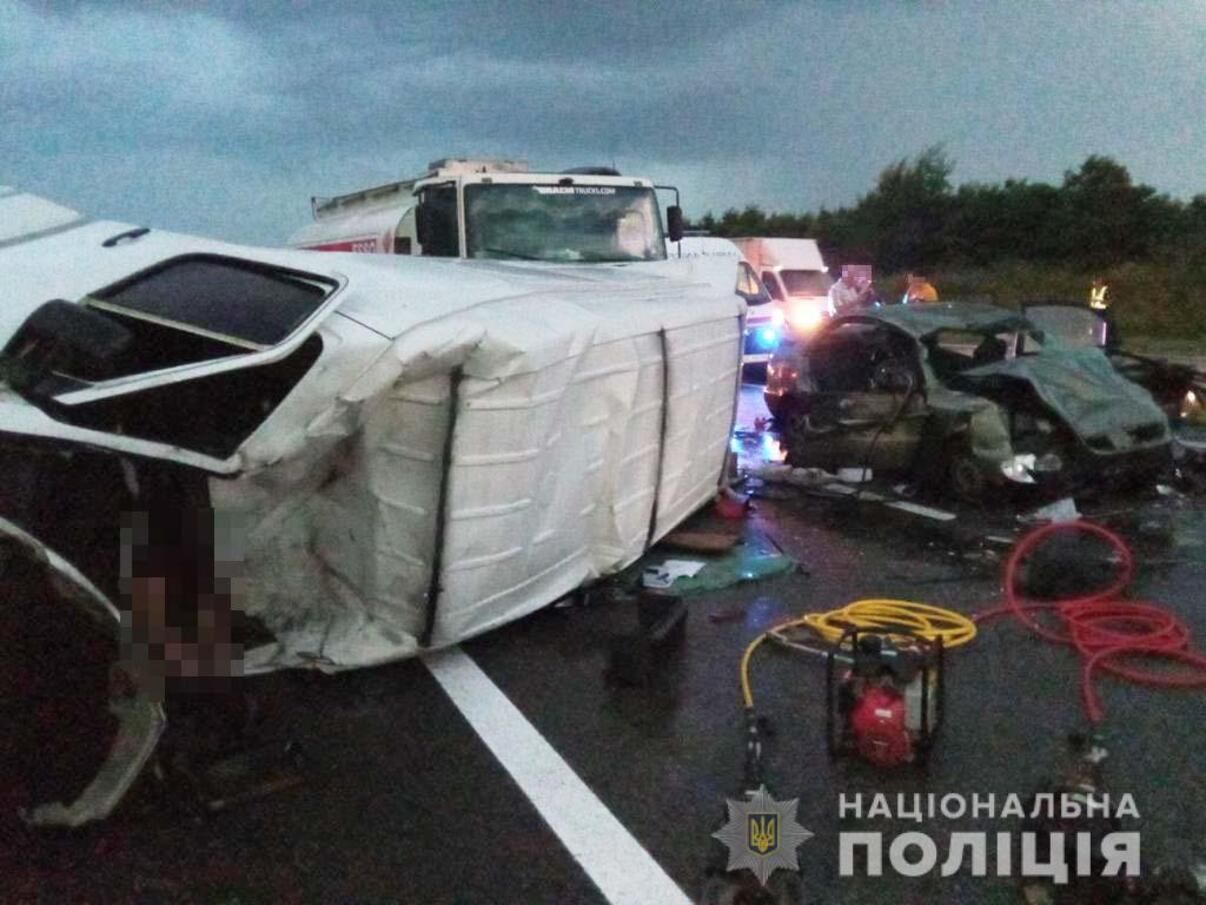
pixel 587 223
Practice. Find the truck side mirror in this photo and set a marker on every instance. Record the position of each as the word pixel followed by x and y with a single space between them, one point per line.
pixel 674 223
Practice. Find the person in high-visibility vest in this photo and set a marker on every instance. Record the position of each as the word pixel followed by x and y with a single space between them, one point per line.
pixel 1099 301
pixel 920 289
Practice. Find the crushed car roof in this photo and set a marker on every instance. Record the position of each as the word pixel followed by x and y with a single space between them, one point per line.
pixel 925 319
pixel 1080 385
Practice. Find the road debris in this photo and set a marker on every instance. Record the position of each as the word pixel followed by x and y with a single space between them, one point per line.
pixel 661 624
pixel 663 575
pixel 702 541
pixel 1062 510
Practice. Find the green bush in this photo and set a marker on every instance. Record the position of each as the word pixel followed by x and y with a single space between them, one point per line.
pixel 1017 240
pixel 1157 300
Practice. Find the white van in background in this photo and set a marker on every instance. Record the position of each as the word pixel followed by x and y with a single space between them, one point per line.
pixel 795 276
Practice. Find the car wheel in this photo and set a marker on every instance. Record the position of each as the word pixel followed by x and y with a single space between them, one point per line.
pixel 965 478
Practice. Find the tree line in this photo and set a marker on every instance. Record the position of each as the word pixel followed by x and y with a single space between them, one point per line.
pixel 914 218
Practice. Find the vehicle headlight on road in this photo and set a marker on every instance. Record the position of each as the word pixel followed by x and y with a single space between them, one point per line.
pixel 1193 407
pixel 804 317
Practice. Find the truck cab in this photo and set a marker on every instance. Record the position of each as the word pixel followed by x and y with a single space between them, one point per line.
pixel 498 209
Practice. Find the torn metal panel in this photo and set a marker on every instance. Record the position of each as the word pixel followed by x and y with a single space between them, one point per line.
pixel 1082 388
pixel 139 721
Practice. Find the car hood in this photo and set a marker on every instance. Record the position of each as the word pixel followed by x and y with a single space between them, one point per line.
pixel 1081 387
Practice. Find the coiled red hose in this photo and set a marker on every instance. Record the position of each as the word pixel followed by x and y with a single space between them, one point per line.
pixel 1106 631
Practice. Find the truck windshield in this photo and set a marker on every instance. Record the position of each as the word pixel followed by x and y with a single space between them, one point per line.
pixel 805 282
pixel 587 223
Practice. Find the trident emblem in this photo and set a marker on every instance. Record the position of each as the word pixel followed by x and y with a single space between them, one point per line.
pixel 764 833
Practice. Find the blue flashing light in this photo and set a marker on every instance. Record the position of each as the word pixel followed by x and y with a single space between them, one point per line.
pixel 768 337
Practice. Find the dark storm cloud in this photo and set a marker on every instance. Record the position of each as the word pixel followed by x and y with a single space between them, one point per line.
pixel 224 117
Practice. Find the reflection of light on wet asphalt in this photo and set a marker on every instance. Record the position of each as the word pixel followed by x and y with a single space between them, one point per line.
pixel 770 447
pixel 763 613
pixel 750 446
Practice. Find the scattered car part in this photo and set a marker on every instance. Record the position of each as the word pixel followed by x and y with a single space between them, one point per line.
pixel 1081 781
pixel 661 626
pixel 250 774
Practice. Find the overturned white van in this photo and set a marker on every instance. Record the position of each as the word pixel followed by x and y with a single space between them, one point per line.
pixel 391 453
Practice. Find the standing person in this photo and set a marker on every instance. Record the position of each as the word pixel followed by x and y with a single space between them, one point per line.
pixel 919 289
pixel 1099 301
pixel 850 292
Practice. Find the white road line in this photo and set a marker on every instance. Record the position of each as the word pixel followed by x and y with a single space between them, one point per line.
pixel 625 873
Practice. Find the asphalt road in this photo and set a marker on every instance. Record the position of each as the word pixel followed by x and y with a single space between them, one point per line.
pixel 402 801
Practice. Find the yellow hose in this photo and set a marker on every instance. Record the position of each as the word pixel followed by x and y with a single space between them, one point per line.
pixel 922 620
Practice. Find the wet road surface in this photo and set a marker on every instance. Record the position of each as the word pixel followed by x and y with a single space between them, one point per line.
pixel 402 802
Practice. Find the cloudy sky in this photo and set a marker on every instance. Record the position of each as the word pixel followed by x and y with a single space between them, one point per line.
pixel 224 117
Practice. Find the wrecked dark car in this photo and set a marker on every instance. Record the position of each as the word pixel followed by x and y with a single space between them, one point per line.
pixel 962 397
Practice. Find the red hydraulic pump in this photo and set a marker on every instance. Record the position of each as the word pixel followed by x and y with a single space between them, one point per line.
pixel 877 724
pixel 886 707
